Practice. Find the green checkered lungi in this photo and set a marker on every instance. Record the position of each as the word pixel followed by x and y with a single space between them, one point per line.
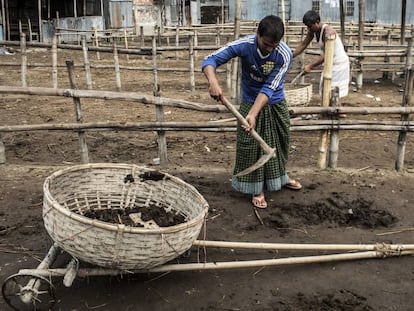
pixel 273 125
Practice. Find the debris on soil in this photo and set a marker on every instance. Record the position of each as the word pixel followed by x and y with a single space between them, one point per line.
pixel 334 211
pixel 339 300
pixel 161 215
pixel 153 175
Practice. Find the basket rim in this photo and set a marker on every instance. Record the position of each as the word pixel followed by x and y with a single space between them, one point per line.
pixel 119 227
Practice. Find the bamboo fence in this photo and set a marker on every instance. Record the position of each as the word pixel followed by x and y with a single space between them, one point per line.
pixel 329 122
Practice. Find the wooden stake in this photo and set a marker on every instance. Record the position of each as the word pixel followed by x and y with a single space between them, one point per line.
pixel 54 62
pixel 23 52
pixel 334 139
pixel 116 64
pixel 86 64
pixel 78 112
pixel 159 109
pixel 191 54
pixel 96 40
pixel 408 88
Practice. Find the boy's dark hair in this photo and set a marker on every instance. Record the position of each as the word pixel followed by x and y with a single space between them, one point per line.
pixel 271 27
pixel 311 17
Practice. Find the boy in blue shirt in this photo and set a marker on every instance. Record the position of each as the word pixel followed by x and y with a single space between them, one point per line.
pixel 265 61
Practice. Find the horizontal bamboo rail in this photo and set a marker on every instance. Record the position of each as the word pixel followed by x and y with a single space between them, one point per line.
pixel 212 126
pixel 165 101
pixel 109 95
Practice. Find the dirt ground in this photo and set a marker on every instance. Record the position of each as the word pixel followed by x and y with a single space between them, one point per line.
pixel 364 201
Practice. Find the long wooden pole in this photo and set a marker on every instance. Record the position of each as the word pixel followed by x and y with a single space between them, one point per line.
pixel 213 126
pixel 326 95
pixel 303 246
pixel 84 272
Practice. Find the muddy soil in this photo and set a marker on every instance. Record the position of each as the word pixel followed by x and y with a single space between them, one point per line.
pixel 364 201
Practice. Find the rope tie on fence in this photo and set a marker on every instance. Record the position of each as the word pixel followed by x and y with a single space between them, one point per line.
pixel 385 250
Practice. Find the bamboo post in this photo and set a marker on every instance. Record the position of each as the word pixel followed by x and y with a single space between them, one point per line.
pixel 334 139
pixel 159 109
pixel 96 40
pixel 195 43
pixel 385 74
pixel 218 35
pixel 23 51
pixel 142 39
pixel 191 54
pixel 228 75
pixel 326 95
pixel 403 15
pixel 3 19
pixel 78 112
pixel 342 18
pixel 116 64
pixel 86 64
pixel 54 62
pixel 177 40
pixel 29 26
pixel 361 7
pixel 126 43
pixel 39 11
pixel 7 20
pixel 136 27
pixel 302 55
pixel 235 61
pixel 2 151
pixel 408 88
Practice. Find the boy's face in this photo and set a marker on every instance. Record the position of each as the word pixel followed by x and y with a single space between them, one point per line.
pixel 266 45
pixel 315 27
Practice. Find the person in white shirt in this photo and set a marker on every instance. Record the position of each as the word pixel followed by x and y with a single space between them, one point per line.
pixel 340 69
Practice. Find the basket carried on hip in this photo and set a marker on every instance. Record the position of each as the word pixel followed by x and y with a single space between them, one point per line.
pixel 72 192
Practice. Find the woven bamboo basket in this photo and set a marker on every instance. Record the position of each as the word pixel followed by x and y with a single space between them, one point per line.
pixel 70 192
pixel 298 95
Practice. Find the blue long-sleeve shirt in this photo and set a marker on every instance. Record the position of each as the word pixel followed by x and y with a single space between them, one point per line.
pixel 260 74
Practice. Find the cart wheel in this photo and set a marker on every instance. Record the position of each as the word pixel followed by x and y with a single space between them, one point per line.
pixel 28 292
